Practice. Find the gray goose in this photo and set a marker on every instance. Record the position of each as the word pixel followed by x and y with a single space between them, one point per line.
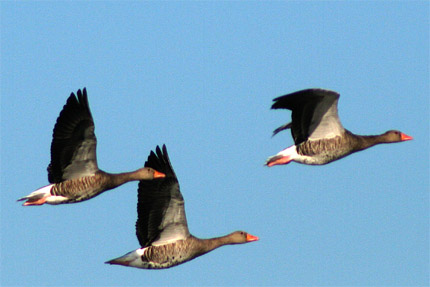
pixel 73 171
pixel 319 137
pixel 161 226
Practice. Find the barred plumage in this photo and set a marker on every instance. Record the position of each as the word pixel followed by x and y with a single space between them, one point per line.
pixel 318 134
pixel 73 171
pixel 162 228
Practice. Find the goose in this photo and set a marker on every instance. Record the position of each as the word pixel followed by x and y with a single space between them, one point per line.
pixel 161 226
pixel 73 173
pixel 319 137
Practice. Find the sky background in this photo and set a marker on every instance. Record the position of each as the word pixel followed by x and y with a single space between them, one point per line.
pixel 200 77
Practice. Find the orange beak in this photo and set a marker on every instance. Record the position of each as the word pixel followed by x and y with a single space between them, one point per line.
pixel 158 174
pixel 404 137
pixel 250 238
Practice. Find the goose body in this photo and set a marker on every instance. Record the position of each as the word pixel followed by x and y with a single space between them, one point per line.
pixel 318 134
pixel 73 172
pixel 161 226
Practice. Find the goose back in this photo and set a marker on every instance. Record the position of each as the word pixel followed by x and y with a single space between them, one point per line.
pixel 82 188
pixel 171 254
pixel 178 252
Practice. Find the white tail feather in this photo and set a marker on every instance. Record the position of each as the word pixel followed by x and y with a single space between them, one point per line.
pixel 289 152
pixel 38 194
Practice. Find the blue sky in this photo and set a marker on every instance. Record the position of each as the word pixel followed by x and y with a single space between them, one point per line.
pixel 200 77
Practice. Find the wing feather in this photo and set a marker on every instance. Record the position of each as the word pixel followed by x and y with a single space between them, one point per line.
pixel 160 208
pixel 314 114
pixel 73 147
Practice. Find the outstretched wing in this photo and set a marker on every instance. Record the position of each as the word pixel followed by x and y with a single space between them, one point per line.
pixel 160 208
pixel 314 114
pixel 73 147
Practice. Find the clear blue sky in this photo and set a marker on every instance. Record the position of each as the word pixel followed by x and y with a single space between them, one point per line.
pixel 200 77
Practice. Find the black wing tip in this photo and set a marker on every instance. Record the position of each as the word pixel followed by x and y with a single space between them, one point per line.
pixel 82 95
pixel 281 128
pixel 278 102
pixel 159 160
pixel 80 98
pixel 324 92
pixel 162 152
pixel 158 153
pixel 158 149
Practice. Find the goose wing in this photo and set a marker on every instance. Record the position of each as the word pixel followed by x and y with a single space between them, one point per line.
pixel 73 147
pixel 160 209
pixel 314 114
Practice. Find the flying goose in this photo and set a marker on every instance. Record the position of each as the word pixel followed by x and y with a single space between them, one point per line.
pixel 161 226
pixel 73 173
pixel 319 137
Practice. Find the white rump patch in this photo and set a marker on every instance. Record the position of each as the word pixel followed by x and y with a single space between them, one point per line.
pixel 56 199
pixel 290 151
pixel 39 193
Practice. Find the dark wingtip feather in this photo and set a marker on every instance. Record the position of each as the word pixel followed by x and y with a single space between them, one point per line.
pixel 78 99
pixel 288 101
pixel 67 133
pixel 154 197
pixel 281 128
pixel 159 160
